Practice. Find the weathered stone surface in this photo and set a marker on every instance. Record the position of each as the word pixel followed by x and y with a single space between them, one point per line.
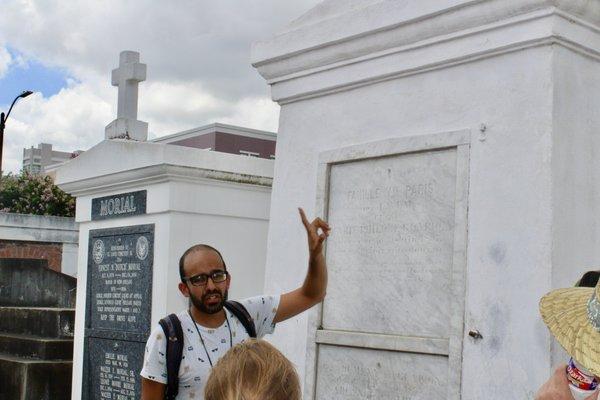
pixel 358 374
pixel 36 343
pixel 354 76
pixel 30 283
pixel 33 379
pixel 392 318
pixel 41 348
pixel 38 321
pixel 394 220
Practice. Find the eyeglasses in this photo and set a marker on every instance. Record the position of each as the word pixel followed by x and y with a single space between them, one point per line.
pixel 217 276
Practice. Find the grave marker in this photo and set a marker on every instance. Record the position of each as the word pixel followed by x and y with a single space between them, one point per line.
pixel 120 267
pixel 392 322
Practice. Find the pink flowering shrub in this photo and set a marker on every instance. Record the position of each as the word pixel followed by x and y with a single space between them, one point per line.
pixel 34 194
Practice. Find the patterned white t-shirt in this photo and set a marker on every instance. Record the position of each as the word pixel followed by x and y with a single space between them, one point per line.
pixel 195 363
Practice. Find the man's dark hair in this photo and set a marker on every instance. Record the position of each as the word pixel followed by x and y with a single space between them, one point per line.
pixel 197 247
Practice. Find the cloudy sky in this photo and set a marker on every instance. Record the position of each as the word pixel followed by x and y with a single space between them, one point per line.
pixel 197 52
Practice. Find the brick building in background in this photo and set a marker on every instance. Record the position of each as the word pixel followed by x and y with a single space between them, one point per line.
pixel 226 139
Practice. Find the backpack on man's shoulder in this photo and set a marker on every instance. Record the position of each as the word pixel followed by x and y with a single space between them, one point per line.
pixel 171 326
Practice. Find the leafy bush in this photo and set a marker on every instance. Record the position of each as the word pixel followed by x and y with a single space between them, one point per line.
pixel 34 194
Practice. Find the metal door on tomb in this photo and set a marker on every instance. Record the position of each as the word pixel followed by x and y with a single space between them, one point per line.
pixel 391 326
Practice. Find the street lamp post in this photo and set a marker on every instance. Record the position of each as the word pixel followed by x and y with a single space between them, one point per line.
pixel 3 119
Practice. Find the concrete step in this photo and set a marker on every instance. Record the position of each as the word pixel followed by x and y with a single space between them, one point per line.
pixel 38 321
pixel 41 348
pixel 23 378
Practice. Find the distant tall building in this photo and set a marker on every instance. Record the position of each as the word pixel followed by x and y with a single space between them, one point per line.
pixel 226 139
pixel 36 160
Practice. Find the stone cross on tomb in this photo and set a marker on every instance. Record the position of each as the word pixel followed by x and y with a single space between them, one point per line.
pixel 127 77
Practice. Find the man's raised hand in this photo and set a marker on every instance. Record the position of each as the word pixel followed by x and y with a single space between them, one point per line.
pixel 315 238
pixel 314 287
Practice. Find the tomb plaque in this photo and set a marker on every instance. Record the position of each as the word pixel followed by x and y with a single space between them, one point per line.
pixel 391 325
pixel 120 264
pixel 116 368
pixel 392 251
pixel 357 374
pixel 119 279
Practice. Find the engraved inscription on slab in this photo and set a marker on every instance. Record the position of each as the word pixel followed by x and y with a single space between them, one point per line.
pixel 120 279
pixel 390 257
pixel 115 367
pixel 391 326
pixel 347 373
pixel 119 205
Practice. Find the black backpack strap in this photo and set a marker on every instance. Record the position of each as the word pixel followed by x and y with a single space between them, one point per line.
pixel 242 314
pixel 174 335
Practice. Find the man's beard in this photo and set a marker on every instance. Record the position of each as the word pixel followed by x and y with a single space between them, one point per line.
pixel 199 303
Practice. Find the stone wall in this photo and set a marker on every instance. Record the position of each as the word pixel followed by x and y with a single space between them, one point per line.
pixel 50 238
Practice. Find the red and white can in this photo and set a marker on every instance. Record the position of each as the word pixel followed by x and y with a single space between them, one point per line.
pixel 581 381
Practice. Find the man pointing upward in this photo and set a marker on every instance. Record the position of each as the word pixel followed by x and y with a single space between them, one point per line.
pixel 212 324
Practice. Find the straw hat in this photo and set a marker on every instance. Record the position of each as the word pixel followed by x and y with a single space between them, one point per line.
pixel 573 317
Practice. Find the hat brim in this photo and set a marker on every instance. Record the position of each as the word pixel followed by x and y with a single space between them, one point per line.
pixel 565 313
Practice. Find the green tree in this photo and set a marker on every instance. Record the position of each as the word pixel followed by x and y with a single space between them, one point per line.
pixel 34 194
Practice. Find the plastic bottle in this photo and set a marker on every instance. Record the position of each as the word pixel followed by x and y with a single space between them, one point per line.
pixel 581 381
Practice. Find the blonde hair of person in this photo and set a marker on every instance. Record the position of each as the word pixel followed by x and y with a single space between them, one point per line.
pixel 253 370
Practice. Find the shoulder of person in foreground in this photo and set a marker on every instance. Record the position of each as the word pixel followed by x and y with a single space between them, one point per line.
pixel 557 387
pixel 253 369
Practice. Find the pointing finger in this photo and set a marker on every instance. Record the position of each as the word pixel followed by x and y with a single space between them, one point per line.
pixel 303 217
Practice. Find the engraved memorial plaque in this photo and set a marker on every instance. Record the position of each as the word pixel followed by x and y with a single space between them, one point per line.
pixel 391 254
pixel 391 323
pixel 119 280
pixel 119 294
pixel 116 368
pixel 357 374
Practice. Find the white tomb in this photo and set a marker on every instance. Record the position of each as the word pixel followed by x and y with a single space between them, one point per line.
pixel 451 145
pixel 191 196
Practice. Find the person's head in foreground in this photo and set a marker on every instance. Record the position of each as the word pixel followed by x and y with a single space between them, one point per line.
pixel 253 370
pixel 573 317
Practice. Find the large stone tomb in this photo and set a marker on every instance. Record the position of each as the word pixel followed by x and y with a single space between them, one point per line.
pixel 391 325
pixel 120 263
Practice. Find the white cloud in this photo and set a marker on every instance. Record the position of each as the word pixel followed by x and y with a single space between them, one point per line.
pixel 174 106
pixel 255 112
pixel 197 52
pixel 5 61
pixel 187 40
pixel 72 119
